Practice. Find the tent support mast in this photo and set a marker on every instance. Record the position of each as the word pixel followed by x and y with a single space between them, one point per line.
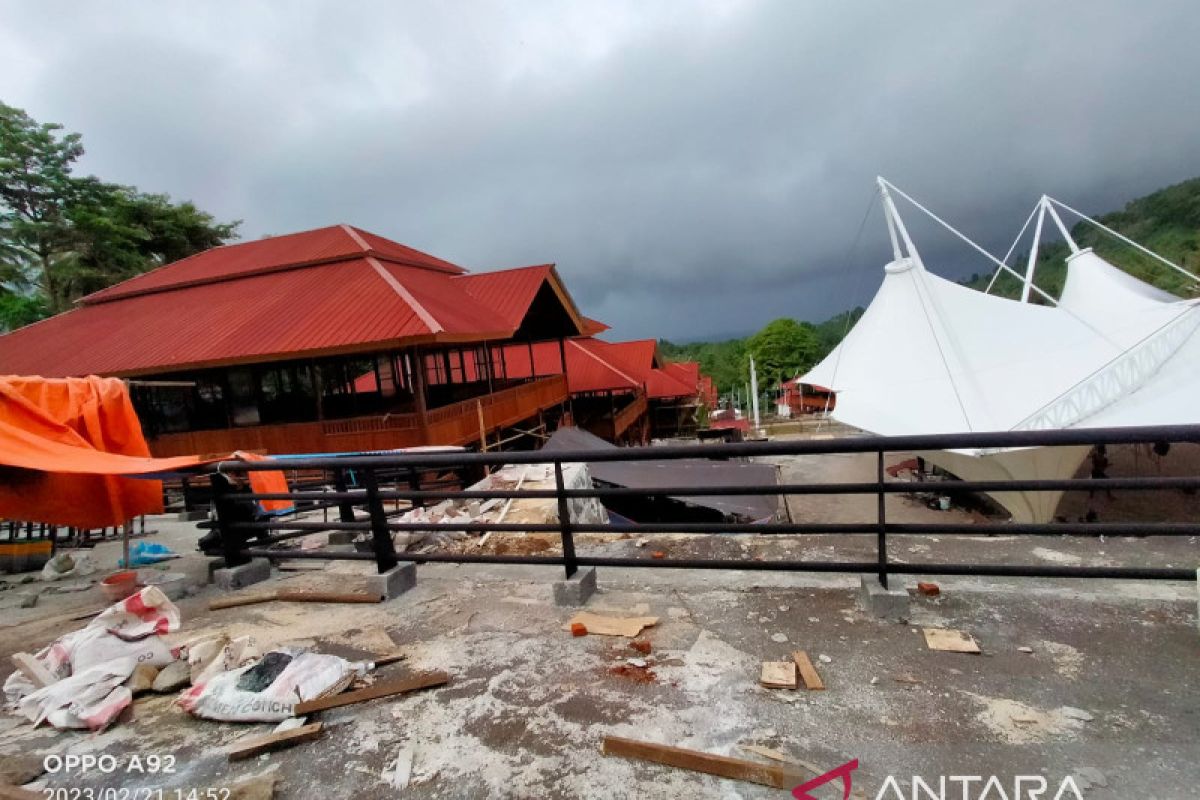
pixel 1033 250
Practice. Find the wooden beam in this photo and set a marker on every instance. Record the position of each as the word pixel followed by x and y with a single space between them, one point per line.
pixel 249 748
pixel 292 596
pixel 32 669
pixel 383 689
pixel 808 673
pixel 777 776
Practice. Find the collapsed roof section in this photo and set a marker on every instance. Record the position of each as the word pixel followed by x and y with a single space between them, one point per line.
pixel 677 472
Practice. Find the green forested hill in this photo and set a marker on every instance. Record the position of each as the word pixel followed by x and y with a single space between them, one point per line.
pixel 1167 222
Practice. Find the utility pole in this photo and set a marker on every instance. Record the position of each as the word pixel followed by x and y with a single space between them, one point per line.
pixel 754 396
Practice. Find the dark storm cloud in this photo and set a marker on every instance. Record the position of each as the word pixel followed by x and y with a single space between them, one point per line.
pixel 694 169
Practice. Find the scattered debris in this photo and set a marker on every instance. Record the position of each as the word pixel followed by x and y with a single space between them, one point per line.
pixel 173 676
pixel 929 589
pixel 641 645
pixel 808 673
pixel 909 679
pixel 636 662
pixel 578 629
pixel 658 554
pixel 270 689
pixel 824 659
pixel 781 776
pixel 402 768
pixel 628 627
pixel 256 787
pixel 32 669
pixel 142 679
pixel 784 608
pixel 779 638
pixel 874 681
pixel 778 675
pixel 1025 650
pixel 89 666
pixel 1070 712
pixel 950 641
pixel 642 674
pixel 248 748
pixel 383 689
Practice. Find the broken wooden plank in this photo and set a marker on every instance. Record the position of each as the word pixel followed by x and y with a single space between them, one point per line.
pixel 628 627
pixel 390 658
pixel 767 752
pixel 950 641
pixel 242 600
pixel 381 689
pixel 808 673
pixel 248 748
pixel 778 776
pixel 293 596
pixel 778 675
pixel 33 669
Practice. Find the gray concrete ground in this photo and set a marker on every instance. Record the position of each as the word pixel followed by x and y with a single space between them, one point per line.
pixel 1109 690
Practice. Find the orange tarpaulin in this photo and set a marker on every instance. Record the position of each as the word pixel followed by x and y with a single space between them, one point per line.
pixel 66 445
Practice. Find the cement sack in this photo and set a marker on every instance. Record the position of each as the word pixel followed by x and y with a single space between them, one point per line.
pixel 268 690
pixel 90 664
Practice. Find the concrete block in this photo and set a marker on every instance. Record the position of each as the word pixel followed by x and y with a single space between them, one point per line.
pixel 214 564
pixel 576 590
pixel 395 582
pixel 259 569
pixel 192 516
pixel 886 604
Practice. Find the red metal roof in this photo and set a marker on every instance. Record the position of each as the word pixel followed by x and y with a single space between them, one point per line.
pixel 592 327
pixel 315 309
pixel 508 291
pixel 511 292
pixel 335 289
pixel 333 243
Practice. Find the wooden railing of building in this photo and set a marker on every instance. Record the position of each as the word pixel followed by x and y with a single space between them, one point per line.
pixel 455 424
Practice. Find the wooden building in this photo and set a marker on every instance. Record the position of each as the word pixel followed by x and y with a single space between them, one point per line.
pixel 796 399
pixel 330 340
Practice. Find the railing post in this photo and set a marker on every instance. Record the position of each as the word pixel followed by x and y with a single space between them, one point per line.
pixel 381 537
pixel 564 521
pixel 345 507
pixel 231 542
pixel 881 545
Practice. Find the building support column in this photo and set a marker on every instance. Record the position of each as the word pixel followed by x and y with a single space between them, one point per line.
pixel 418 389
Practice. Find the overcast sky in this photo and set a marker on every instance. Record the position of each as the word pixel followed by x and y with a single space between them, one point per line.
pixel 695 169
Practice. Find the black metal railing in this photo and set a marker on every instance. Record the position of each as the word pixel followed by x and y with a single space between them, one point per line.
pixel 376 476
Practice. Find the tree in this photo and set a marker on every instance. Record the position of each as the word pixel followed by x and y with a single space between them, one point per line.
pixel 781 350
pixel 64 236
pixel 36 190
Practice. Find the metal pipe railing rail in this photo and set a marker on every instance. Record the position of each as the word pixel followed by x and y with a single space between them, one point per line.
pixel 372 470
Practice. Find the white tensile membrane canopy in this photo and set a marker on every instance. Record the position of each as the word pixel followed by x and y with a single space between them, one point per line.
pixel 931 356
